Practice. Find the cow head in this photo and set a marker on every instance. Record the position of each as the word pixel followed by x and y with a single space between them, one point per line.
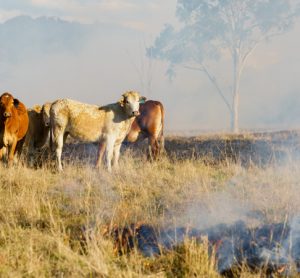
pixel 7 104
pixel 130 101
pixel 46 114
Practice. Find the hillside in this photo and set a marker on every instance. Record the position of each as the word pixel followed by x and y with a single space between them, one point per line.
pixel 24 37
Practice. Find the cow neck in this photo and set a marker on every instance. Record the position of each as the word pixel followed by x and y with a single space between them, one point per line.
pixel 7 123
pixel 125 116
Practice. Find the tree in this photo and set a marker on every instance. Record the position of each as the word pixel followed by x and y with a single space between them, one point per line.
pixel 211 29
pixel 144 67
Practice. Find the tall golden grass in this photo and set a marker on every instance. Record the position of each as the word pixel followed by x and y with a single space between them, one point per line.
pixel 51 224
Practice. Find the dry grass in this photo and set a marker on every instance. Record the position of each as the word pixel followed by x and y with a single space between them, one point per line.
pixel 52 224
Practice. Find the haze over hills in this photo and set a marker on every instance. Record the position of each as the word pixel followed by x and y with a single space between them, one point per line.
pixel 48 58
pixel 23 36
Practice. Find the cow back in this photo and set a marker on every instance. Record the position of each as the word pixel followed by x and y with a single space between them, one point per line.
pixel 151 117
pixel 23 120
pixel 149 123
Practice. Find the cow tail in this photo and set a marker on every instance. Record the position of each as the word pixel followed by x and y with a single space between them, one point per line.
pixel 51 133
pixel 162 138
pixel 51 138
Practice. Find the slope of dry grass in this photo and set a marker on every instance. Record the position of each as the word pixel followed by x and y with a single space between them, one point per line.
pixel 52 224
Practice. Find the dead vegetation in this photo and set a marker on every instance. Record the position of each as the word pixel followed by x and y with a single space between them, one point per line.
pixel 261 149
pixel 59 224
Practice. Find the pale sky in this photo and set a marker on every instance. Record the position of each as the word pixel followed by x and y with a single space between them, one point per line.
pixel 270 86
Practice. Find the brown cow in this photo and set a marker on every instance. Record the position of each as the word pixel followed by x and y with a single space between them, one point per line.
pixel 149 124
pixel 39 128
pixel 13 125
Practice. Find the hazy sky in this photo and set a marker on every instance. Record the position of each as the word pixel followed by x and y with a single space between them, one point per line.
pixel 108 65
pixel 140 14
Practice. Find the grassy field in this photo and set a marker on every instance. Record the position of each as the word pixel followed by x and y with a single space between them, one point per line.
pixel 53 224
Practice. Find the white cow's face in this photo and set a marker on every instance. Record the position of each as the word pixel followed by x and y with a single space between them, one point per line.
pixel 46 114
pixel 131 103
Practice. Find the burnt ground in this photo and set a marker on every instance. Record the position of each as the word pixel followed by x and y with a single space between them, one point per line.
pixel 251 148
pixel 259 149
pixel 270 248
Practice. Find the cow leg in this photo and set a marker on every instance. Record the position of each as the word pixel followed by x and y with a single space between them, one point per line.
pixel 30 153
pixel 3 153
pixel 101 150
pixel 11 152
pixel 149 152
pixel 153 148
pixel 116 155
pixel 58 151
pixel 58 137
pixel 161 141
pixel 58 142
pixel 109 152
pixel 19 147
pixel 2 150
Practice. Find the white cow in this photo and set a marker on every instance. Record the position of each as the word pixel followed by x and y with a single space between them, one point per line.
pixel 107 125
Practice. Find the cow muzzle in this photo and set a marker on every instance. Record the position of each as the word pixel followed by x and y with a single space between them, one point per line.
pixel 135 113
pixel 6 114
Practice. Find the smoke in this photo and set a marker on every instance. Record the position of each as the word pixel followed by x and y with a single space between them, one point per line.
pixel 252 221
pixel 44 59
pixel 293 241
pixel 219 207
pixel 273 248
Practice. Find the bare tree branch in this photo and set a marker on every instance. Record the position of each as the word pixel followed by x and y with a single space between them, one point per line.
pixel 213 80
pixel 255 44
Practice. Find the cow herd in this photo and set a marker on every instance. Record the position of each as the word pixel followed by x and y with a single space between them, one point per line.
pixel 130 119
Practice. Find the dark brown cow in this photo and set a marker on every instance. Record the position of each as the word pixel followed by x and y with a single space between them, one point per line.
pixel 149 124
pixel 13 125
pixel 38 129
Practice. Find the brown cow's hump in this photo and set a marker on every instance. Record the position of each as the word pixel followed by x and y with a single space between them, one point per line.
pixel 21 108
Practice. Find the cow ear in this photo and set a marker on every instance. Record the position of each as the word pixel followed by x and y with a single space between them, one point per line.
pixel 142 99
pixel 121 101
pixel 37 108
pixel 16 102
